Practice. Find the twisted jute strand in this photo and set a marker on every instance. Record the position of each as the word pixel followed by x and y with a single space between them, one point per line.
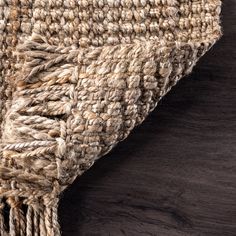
pixel 75 78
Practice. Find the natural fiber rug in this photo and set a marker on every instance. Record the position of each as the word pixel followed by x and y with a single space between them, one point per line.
pixel 76 77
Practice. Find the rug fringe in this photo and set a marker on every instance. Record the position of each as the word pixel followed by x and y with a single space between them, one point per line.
pixel 19 218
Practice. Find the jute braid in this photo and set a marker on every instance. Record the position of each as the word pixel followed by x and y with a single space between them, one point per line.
pixel 75 78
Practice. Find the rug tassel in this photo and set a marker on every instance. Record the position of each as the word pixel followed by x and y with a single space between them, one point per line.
pixel 12 222
pixel 29 221
pixel 2 221
pixel 17 221
pixel 42 227
pixel 36 220
pixel 55 222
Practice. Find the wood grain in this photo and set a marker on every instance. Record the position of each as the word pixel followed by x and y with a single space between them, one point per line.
pixel 176 174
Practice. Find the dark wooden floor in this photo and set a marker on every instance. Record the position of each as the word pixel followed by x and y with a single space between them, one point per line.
pixel 176 173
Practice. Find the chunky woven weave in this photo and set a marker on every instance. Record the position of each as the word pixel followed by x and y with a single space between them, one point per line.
pixel 76 76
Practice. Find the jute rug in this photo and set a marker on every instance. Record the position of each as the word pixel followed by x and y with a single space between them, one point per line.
pixel 76 76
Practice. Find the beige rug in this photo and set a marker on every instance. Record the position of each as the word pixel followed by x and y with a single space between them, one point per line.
pixel 76 77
